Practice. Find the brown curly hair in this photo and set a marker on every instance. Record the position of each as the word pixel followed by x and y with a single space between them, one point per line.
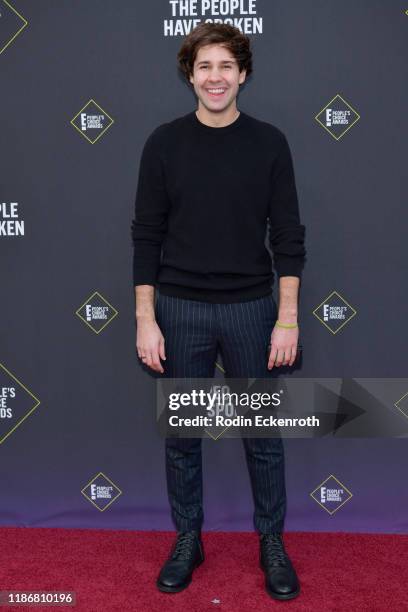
pixel 215 33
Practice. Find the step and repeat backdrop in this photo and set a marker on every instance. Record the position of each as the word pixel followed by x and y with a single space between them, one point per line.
pixel 83 84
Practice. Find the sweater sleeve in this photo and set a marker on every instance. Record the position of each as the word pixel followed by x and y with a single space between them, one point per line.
pixel 286 233
pixel 149 225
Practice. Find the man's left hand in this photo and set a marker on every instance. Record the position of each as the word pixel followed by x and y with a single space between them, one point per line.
pixel 284 344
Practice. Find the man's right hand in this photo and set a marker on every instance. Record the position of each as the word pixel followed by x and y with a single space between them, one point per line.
pixel 150 344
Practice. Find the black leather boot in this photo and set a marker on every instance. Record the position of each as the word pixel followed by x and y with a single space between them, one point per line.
pixel 187 554
pixel 281 581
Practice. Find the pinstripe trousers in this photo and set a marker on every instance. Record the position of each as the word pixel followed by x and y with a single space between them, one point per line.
pixel 193 332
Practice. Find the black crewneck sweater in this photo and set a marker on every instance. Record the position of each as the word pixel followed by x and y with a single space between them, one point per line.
pixel 205 198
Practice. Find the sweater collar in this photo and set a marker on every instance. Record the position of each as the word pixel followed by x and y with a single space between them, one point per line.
pixel 216 130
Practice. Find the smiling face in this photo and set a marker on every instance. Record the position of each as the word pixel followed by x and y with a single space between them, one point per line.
pixel 216 78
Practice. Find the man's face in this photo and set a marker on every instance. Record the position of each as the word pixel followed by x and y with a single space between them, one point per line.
pixel 215 68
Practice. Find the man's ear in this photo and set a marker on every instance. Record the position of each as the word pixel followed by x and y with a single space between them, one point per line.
pixel 242 76
pixel 191 79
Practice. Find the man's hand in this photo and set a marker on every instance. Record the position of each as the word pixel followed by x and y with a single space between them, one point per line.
pixel 149 339
pixel 150 344
pixel 284 346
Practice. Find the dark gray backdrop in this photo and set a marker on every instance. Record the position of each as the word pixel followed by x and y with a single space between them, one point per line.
pixel 76 199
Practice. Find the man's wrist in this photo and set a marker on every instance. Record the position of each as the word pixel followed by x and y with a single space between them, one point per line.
pixel 288 316
pixel 145 317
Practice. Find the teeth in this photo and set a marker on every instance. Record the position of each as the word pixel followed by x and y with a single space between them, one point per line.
pixel 216 90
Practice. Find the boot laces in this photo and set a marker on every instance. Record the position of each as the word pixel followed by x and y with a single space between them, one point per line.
pixel 273 549
pixel 184 545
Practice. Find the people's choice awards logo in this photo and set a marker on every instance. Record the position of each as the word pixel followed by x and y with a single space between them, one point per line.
pixel 101 491
pixel 96 312
pixel 16 403
pixel 10 222
pixel 185 15
pixel 92 121
pixel 334 312
pixel 11 24
pixel 337 117
pixel 331 494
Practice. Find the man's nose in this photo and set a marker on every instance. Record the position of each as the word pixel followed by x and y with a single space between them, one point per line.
pixel 214 75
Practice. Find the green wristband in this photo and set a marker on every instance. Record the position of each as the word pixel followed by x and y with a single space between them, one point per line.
pixel 286 325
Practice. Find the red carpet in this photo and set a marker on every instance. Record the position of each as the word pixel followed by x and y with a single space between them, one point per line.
pixel 116 570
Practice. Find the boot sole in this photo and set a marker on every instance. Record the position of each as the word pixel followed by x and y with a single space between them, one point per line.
pixel 282 596
pixel 168 589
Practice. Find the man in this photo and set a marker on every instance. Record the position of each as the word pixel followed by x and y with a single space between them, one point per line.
pixel 210 183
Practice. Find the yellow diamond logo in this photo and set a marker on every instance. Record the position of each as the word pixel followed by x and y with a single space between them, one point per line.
pixel 337 117
pixel 101 491
pixel 92 121
pixel 96 312
pixel 11 24
pixel 16 403
pixel 331 494
pixel 334 312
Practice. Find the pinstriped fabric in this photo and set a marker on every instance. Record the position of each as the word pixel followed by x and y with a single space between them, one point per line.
pixel 194 331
